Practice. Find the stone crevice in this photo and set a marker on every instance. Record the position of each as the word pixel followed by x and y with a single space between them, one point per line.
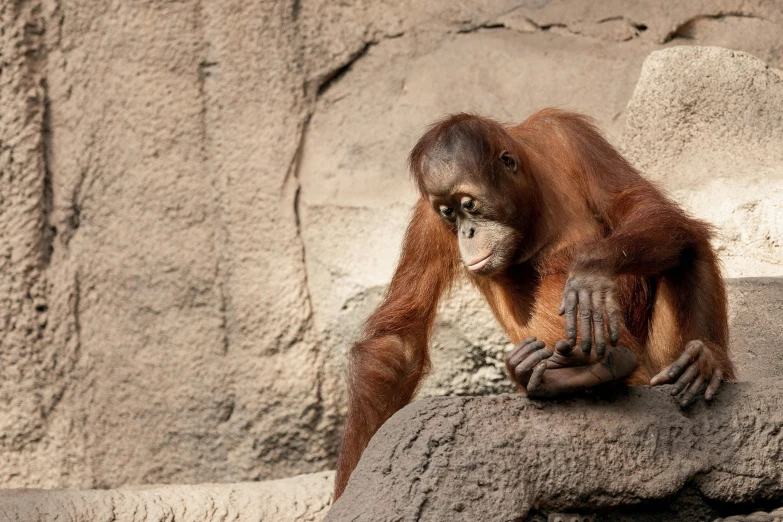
pixel 684 29
pixel 206 68
pixel 292 176
pixel 325 81
pixel 530 25
pixel 49 232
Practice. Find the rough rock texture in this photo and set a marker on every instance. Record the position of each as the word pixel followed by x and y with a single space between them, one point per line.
pixel 758 516
pixel 755 311
pixel 636 455
pixel 129 275
pixel 201 200
pixel 304 498
pixel 707 124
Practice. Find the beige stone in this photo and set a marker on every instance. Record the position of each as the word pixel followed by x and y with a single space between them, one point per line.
pixel 304 498
pixel 707 124
pixel 153 287
pixel 755 309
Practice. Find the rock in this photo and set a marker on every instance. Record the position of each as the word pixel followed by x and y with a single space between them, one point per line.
pixel 632 453
pixel 159 304
pixel 707 124
pixel 755 311
pixel 758 516
pixel 304 498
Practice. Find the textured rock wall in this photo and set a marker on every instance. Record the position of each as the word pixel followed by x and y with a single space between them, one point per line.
pixel 201 200
pixel 154 296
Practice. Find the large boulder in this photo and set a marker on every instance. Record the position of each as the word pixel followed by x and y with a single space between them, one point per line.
pixel 707 124
pixel 633 453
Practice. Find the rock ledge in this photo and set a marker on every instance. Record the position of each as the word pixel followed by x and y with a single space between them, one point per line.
pixel 507 458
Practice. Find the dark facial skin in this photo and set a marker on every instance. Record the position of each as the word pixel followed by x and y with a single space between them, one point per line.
pixel 477 213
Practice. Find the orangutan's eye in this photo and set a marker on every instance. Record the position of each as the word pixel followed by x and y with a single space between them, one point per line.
pixel 446 212
pixel 509 161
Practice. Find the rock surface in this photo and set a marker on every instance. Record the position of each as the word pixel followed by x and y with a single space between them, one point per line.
pixel 755 310
pixel 636 455
pixel 707 124
pixel 304 498
pixel 201 200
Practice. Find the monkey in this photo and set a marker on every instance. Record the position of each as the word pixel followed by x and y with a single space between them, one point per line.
pixel 592 271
